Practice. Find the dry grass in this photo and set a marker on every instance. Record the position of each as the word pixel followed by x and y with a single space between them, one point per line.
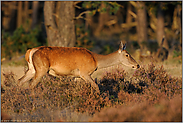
pixel 147 94
pixel 164 111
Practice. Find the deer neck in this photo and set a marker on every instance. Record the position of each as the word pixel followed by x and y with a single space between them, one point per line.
pixel 104 61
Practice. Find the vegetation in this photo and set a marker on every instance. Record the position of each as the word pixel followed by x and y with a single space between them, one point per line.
pixel 92 24
pixel 149 95
pixel 20 41
pixel 82 37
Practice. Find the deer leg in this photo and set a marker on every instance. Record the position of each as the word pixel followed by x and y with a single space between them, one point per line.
pixel 88 78
pixel 41 65
pixel 28 75
pixel 38 75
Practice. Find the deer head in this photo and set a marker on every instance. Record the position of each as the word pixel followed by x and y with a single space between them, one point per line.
pixel 125 58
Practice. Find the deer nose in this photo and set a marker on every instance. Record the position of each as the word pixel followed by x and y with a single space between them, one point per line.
pixel 135 67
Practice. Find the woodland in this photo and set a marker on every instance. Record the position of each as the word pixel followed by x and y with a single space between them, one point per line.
pixel 152 32
pixel 97 26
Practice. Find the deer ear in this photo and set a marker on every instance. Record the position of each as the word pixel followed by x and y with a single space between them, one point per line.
pixel 122 47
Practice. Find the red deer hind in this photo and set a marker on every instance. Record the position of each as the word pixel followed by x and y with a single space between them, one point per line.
pixel 79 62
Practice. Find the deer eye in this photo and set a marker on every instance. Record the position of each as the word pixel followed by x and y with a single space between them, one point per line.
pixel 127 55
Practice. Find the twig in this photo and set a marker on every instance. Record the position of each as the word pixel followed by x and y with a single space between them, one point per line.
pixel 76 5
pixel 133 14
pixel 133 3
pixel 80 15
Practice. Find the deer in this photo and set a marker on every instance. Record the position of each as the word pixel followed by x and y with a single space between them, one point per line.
pixel 63 61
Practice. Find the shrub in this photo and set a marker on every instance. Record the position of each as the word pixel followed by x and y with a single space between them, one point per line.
pixel 149 95
pixel 82 37
pixel 112 82
pixel 164 111
pixel 177 53
pixel 20 41
pixel 50 94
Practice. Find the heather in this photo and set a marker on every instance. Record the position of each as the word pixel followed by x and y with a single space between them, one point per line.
pixel 149 94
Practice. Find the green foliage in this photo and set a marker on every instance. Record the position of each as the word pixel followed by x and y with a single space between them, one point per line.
pixel 20 41
pixel 153 6
pixel 82 37
pixel 111 7
pixel 107 49
pixel 177 53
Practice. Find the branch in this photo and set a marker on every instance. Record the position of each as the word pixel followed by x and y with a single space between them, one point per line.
pixel 77 2
pixel 133 14
pixel 80 15
pixel 133 3
pixel 111 22
pixel 112 3
pixel 132 24
pixel 76 5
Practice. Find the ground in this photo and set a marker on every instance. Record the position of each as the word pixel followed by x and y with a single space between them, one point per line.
pixel 173 67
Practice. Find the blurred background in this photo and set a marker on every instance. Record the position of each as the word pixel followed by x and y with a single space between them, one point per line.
pixel 97 26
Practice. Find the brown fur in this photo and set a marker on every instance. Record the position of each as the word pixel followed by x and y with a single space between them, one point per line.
pixel 63 61
pixel 27 55
pixel 75 61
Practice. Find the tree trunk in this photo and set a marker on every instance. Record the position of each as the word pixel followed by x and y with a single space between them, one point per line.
pixel 50 25
pixel 26 10
pixel 141 24
pixel 89 20
pixel 103 18
pixel 66 24
pixel 160 27
pixel 180 24
pixel 177 26
pixel 7 15
pixel 35 14
pixel 25 16
pixel 59 25
pixel 128 16
pixel 12 16
pixel 19 14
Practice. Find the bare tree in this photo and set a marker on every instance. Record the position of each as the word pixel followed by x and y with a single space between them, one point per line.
pixel 160 30
pixel 59 23
pixel 8 11
pixel 103 18
pixel 128 15
pixel 19 14
pixel 35 13
pixel 177 27
pixel 141 23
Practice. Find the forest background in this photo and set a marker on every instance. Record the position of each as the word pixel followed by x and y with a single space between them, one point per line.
pixel 98 26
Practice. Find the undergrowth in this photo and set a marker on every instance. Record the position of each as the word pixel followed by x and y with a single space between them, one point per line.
pixel 20 41
pixel 149 87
